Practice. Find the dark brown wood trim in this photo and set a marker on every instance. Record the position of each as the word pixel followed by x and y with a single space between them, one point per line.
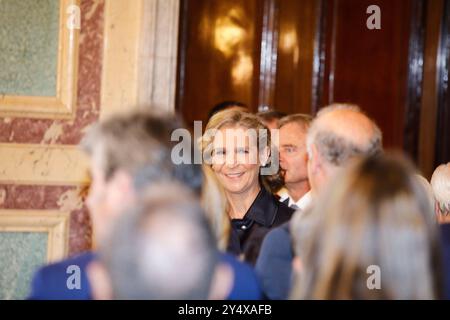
pixel 322 52
pixel 414 78
pixel 443 122
pixel 428 114
pixel 268 62
pixel 319 57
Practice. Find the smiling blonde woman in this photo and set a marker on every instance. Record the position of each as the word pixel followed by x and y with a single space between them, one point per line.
pixel 242 211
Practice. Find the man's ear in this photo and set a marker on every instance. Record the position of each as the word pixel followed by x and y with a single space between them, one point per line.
pixel 315 159
pixel 100 281
pixel 437 211
pixel 122 184
pixel 297 264
pixel 222 282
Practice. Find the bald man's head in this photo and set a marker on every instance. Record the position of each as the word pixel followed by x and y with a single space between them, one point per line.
pixel 339 133
pixel 440 182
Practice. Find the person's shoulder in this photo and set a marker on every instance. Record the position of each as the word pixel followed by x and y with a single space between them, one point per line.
pixel 445 229
pixel 245 284
pixel 279 233
pixel 273 266
pixel 276 240
pixel 50 281
pixel 239 267
pixel 284 213
pixel 445 235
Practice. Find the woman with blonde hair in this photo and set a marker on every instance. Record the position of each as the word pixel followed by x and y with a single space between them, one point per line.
pixel 236 149
pixel 371 235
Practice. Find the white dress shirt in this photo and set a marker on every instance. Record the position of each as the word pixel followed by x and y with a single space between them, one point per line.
pixel 302 204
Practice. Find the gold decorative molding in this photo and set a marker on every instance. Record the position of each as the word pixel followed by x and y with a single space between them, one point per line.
pixel 35 164
pixel 55 223
pixel 64 103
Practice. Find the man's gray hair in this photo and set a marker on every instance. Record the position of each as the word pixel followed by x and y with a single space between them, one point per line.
pixel 131 141
pixel 163 248
pixel 440 182
pixel 336 149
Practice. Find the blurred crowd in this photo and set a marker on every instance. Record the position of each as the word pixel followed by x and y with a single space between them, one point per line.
pixel 281 207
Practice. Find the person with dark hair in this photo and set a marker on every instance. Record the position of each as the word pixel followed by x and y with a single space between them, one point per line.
pixel 228 104
pixel 271 118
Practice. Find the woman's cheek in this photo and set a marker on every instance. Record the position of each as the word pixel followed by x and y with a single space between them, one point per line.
pixel 216 168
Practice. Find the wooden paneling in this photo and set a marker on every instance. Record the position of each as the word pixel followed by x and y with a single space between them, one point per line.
pixel 298 56
pixel 269 54
pixel 369 67
pixel 219 54
pixel 296 47
pixel 269 63
pixel 428 115
pixel 443 123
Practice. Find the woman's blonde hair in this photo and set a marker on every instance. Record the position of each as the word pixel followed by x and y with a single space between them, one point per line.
pixel 374 215
pixel 214 200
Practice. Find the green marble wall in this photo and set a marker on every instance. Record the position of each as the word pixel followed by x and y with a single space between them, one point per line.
pixel 28 47
pixel 20 254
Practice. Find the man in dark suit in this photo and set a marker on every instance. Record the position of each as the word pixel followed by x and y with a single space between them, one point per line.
pixel 65 280
pixel 127 153
pixel 337 134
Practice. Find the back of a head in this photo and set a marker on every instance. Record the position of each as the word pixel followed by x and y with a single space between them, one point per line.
pixel 440 182
pixel 374 217
pixel 271 116
pixel 302 120
pixel 342 131
pixel 140 144
pixel 426 187
pixel 162 249
pixel 129 141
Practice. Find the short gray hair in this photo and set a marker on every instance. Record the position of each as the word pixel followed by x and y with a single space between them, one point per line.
pixel 440 182
pixel 163 248
pixel 335 149
pixel 132 140
pixel 303 120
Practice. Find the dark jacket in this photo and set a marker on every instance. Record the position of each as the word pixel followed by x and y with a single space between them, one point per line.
pixel 50 282
pixel 445 236
pixel 274 264
pixel 247 234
